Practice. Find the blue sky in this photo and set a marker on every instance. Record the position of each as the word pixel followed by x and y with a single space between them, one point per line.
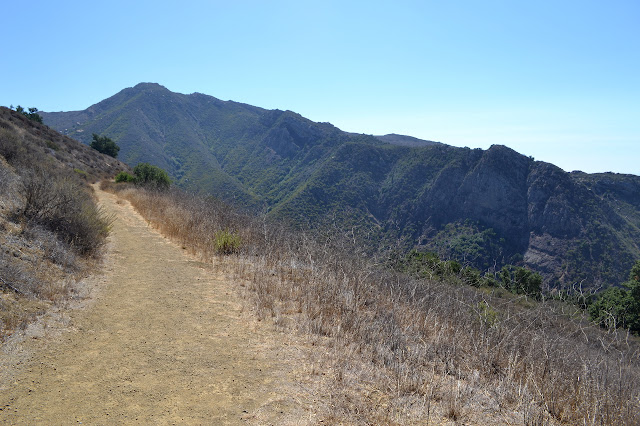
pixel 558 80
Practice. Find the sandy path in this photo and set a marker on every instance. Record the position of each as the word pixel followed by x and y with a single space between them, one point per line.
pixel 165 341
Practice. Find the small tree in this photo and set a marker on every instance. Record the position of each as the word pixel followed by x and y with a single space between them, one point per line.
pixel 619 307
pixel 633 287
pixel 105 145
pixel 146 174
pixel 521 280
pixel 32 114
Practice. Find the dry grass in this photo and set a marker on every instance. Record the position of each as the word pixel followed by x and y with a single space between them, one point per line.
pixel 37 269
pixel 27 142
pixel 51 231
pixel 393 349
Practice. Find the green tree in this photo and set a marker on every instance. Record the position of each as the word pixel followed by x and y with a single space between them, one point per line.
pixel 633 288
pixel 521 280
pixel 105 145
pixel 32 114
pixel 146 174
pixel 619 307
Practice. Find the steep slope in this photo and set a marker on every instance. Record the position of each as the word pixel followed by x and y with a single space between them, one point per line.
pixel 25 140
pixel 166 129
pixel 487 208
pixel 50 227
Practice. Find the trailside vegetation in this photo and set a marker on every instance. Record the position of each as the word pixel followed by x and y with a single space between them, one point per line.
pixel 619 307
pixel 60 204
pixel 147 175
pixel 515 279
pixel 395 347
pixel 51 229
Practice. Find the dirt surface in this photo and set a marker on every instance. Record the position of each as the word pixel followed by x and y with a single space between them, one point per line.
pixel 163 340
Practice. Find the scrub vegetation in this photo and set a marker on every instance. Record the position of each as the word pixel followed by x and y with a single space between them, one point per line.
pixel 147 175
pixel 395 347
pixel 51 230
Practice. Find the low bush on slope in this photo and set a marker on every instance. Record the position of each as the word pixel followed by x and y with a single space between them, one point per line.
pixel 51 228
pixel 397 349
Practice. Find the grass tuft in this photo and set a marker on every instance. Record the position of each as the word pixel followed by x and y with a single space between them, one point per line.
pixel 226 242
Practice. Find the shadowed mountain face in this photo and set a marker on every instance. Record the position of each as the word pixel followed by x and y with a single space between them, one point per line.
pixel 483 207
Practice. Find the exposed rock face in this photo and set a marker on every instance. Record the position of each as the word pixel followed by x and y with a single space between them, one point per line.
pixel 494 207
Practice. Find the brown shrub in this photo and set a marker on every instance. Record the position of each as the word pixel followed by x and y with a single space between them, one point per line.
pixel 65 207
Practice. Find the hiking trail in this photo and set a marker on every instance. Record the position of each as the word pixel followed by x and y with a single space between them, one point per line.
pixel 163 339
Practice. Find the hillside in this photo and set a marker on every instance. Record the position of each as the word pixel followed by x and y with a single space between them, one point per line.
pixel 27 141
pixel 51 230
pixel 394 348
pixel 369 345
pixel 487 208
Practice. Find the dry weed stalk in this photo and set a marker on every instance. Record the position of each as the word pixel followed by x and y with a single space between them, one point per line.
pixel 419 344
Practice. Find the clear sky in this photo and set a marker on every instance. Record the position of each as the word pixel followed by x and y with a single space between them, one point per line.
pixel 558 80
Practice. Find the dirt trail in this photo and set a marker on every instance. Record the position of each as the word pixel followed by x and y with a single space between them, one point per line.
pixel 165 341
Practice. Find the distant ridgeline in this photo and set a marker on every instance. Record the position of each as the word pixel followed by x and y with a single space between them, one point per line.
pixel 483 208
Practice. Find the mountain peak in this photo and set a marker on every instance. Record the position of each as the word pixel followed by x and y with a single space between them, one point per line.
pixel 149 86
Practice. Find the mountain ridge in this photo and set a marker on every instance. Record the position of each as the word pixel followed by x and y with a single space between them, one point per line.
pixel 572 227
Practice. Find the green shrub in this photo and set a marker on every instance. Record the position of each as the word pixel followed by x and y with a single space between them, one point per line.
pixel 52 145
pixel 226 242
pixel 619 307
pixel 488 316
pixel 521 280
pixel 612 309
pixel 471 276
pixel 125 177
pixel 149 175
pixel 104 145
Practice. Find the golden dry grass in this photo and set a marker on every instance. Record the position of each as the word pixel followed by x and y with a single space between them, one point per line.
pixel 51 231
pixel 392 349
